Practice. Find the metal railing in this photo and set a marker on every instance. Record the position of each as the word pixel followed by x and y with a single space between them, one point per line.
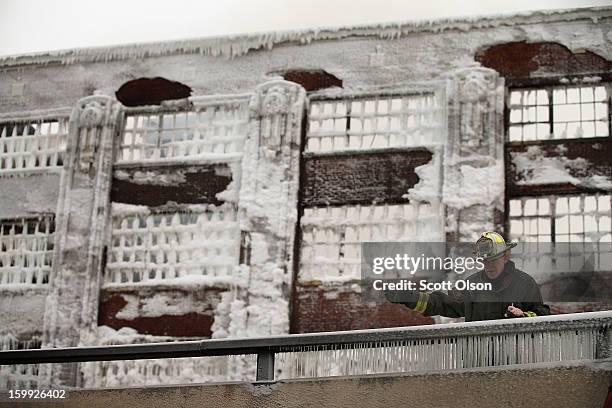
pixel 584 336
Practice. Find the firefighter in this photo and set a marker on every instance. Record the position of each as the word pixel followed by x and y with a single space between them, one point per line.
pixel 514 293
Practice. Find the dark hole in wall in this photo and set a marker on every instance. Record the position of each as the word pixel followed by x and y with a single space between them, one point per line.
pixel 522 59
pixel 312 80
pixel 151 91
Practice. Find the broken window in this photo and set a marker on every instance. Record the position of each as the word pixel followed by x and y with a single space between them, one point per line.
pixel 332 236
pixel 375 122
pixel 32 144
pixel 26 250
pixel 559 112
pixel 147 245
pixel 218 129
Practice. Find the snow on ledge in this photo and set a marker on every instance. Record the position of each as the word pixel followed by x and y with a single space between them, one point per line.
pixel 236 45
pixel 534 168
pixel 189 281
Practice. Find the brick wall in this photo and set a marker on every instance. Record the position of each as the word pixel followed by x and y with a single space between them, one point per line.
pixel 317 308
pixel 161 312
pixel 519 60
pixel 153 186
pixel 361 178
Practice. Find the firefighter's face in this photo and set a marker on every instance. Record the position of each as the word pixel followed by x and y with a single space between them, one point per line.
pixel 494 268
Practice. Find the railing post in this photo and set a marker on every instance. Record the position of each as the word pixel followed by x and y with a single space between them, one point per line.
pixel 604 344
pixel 265 366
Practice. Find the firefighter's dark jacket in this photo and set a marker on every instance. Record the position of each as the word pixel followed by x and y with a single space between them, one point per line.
pixel 512 287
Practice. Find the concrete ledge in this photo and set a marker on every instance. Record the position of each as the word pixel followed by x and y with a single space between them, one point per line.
pixel 579 384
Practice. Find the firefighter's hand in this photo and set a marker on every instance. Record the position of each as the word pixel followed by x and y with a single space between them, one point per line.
pixel 515 311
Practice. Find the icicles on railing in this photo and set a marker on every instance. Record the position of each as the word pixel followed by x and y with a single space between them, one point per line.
pixel 134 373
pixel 26 250
pixel 18 376
pixel 438 354
pixel 32 144
pixel 203 240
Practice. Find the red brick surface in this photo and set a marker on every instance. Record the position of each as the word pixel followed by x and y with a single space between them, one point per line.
pixel 312 80
pixel 522 59
pixel 316 309
pixel 151 91
pixel 190 324
pixel 361 178
pixel 199 186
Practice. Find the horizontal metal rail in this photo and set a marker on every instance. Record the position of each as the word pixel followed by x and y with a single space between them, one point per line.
pixel 266 347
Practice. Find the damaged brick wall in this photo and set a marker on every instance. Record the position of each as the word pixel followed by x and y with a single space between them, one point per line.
pixel 312 80
pixel 518 61
pixel 177 312
pixel 361 178
pixel 154 186
pixel 151 91
pixel 318 309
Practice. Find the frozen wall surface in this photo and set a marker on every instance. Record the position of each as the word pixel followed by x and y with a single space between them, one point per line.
pixel 363 57
pixel 239 210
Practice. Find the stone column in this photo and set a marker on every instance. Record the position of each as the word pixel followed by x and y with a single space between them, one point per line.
pixel 267 204
pixel 81 222
pixel 473 190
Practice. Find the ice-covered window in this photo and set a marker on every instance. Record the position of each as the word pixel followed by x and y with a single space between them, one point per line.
pixel 216 131
pixel 34 144
pixel 375 122
pixel 574 218
pixel 574 233
pixel 18 376
pixel 559 112
pixel 202 240
pixel 332 236
pixel 26 250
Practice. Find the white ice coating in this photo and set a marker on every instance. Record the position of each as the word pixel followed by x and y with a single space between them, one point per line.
pixel 22 376
pixel 151 177
pixel 22 308
pixel 163 303
pixel 237 45
pixel 535 168
pixel 428 189
pixel 154 372
pixel 476 185
pixel 543 342
pixel 254 303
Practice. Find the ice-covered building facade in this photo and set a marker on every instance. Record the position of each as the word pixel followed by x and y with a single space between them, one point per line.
pixel 221 187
